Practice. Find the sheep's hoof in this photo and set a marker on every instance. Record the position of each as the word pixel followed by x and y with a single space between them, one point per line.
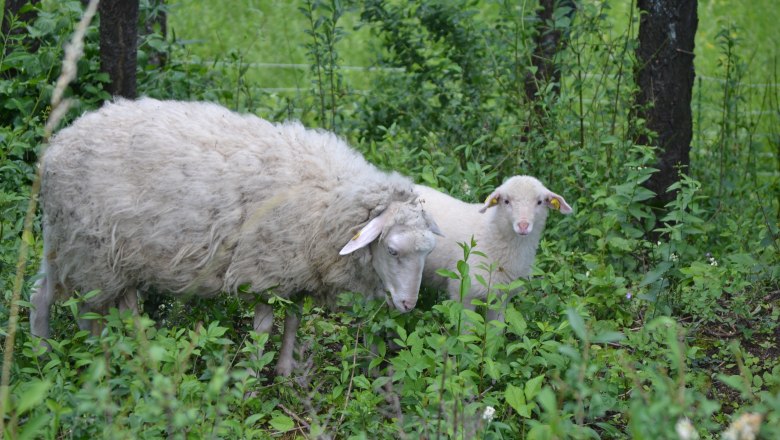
pixel 284 369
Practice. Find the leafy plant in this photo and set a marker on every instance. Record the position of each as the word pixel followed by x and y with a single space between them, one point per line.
pixel 622 331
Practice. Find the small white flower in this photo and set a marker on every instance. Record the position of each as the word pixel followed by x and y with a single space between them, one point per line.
pixel 685 429
pixel 673 257
pixel 629 295
pixel 587 274
pixel 713 261
pixel 744 428
pixel 489 413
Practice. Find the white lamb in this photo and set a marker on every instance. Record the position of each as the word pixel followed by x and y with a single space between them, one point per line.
pixel 190 198
pixel 507 229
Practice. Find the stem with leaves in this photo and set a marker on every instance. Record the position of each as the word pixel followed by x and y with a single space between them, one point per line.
pixel 73 52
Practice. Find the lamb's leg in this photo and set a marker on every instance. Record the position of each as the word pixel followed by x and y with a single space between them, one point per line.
pixel 42 299
pixel 495 312
pixel 453 287
pixel 285 364
pixel 263 323
pixel 498 313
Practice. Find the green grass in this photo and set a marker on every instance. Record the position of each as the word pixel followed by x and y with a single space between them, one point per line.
pixel 273 32
pixel 267 33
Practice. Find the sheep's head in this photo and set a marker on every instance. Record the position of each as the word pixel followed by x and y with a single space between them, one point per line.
pixel 399 239
pixel 524 202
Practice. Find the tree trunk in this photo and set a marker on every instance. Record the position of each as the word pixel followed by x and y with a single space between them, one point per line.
pixel 12 9
pixel 119 45
pixel 665 76
pixel 548 42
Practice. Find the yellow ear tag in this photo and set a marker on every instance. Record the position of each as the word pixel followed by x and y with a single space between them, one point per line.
pixel 494 201
pixel 356 236
pixel 556 204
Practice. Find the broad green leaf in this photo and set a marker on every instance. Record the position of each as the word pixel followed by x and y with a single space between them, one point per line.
pixel 32 395
pixel 156 352
pixel 619 243
pixel 282 423
pixel 577 323
pixel 473 317
pixel 251 420
pixel 463 268
pixel 546 399
pixel 448 274
pixel 606 337
pixel 533 386
pixel 516 321
pixel 734 381
pixel 401 333
pixel 653 275
pixel 742 259
pixel 516 399
pixel 32 428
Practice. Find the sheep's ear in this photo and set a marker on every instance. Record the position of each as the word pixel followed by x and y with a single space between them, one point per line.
pixel 557 202
pixel 490 201
pixel 432 224
pixel 365 236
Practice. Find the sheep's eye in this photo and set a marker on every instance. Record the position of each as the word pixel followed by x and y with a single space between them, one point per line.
pixel 392 252
pixel 539 202
pixel 506 201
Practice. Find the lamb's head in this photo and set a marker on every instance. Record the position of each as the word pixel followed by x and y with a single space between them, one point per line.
pixel 399 239
pixel 521 204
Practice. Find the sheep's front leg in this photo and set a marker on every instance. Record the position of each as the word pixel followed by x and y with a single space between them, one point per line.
pixel 42 299
pixel 129 301
pixel 286 363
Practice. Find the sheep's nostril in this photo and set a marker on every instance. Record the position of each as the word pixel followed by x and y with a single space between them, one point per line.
pixel 523 228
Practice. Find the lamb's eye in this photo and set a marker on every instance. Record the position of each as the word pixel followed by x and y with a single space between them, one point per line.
pixel 539 202
pixel 392 252
pixel 506 201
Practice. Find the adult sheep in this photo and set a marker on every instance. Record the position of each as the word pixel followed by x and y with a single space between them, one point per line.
pixel 507 229
pixel 191 198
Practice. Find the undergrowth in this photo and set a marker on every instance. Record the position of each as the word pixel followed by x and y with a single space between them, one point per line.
pixel 616 335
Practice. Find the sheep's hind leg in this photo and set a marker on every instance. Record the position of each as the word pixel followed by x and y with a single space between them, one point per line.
pixel 286 363
pixel 127 301
pixel 94 326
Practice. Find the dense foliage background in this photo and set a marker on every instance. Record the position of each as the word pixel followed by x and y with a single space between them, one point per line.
pixel 617 335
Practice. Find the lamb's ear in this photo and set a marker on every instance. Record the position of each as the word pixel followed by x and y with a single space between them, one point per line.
pixel 491 200
pixel 557 202
pixel 365 236
pixel 432 224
